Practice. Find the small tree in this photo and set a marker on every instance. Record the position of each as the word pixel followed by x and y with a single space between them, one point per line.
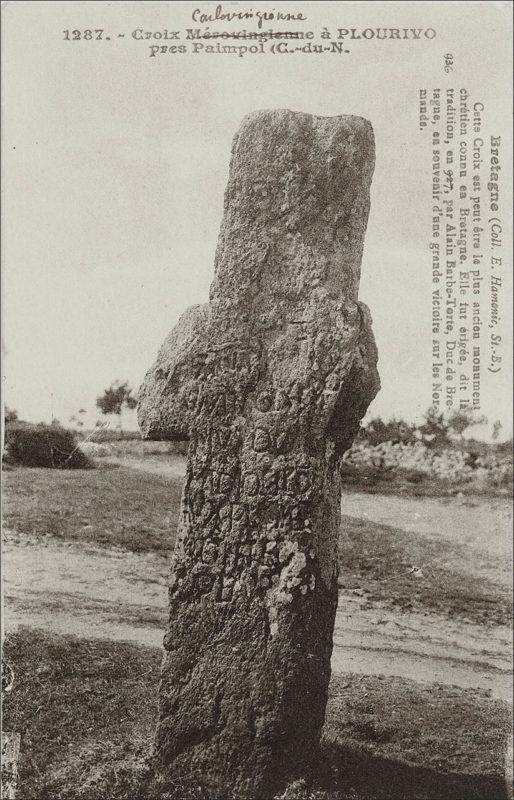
pixel 395 430
pixel 77 420
pixel 114 399
pixel 497 426
pixel 460 421
pixel 434 430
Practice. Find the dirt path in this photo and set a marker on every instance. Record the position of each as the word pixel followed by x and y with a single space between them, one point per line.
pixel 481 525
pixel 422 647
pixel 168 466
pixel 91 592
pixel 101 593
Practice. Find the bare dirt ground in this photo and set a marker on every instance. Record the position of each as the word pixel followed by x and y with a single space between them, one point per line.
pixel 100 592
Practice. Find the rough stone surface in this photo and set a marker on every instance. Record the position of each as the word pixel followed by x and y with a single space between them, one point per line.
pixel 268 382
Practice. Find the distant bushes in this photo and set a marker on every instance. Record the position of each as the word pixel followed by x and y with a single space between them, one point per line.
pixel 437 430
pixel 395 430
pixel 43 446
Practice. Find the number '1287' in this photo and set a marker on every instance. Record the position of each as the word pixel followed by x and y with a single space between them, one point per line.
pixel 87 34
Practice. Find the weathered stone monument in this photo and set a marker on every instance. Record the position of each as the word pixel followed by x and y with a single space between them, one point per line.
pixel 268 382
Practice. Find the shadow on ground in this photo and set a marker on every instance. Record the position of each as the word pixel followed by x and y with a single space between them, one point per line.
pixel 371 777
pixel 85 710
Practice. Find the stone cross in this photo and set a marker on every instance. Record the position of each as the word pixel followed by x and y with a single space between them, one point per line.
pixel 268 382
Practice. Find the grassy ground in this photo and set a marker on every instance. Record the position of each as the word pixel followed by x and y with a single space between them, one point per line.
pixel 107 506
pixel 86 713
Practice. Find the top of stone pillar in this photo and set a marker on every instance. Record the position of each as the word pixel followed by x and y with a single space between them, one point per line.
pixel 297 195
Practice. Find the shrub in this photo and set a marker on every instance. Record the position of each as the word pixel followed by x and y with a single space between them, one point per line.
pixel 10 415
pixel 43 446
pixel 414 476
pixel 395 430
pixel 505 448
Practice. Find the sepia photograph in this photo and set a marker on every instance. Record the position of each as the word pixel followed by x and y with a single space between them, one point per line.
pixel 257 464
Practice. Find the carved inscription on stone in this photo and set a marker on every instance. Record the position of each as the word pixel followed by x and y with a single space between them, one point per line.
pixel 268 382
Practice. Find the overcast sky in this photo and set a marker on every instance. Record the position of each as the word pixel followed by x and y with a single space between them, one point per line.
pixel 115 166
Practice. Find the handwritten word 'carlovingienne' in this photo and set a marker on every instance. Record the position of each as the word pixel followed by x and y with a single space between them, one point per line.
pixel 262 16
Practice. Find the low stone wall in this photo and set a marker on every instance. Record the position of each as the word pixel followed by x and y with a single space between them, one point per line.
pixel 452 464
